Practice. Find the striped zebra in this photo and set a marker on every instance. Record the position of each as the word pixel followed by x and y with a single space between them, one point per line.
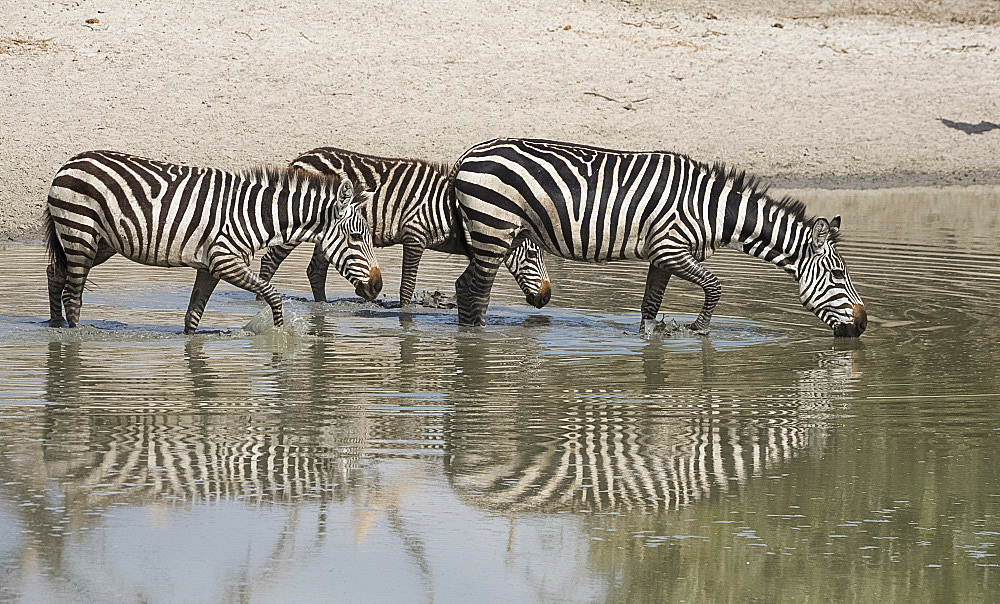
pixel 413 206
pixel 103 203
pixel 600 205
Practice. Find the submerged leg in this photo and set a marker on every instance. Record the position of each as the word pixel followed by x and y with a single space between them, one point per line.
pixel 204 285
pixel 472 291
pixel 233 269
pixel 72 294
pixel 316 271
pixel 683 264
pixel 56 273
pixel 488 245
pixel 656 283
pixel 412 252
pixel 275 255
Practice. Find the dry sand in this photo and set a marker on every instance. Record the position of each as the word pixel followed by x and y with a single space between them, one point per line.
pixel 834 94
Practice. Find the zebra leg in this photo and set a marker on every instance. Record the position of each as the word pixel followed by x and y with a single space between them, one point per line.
pixel 57 280
pixel 656 282
pixel 412 251
pixel 204 285
pixel 57 274
pixel 686 267
pixel 72 293
pixel 472 291
pixel 275 255
pixel 235 270
pixel 316 271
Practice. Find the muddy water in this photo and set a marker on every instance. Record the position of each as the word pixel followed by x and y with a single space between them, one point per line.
pixel 368 454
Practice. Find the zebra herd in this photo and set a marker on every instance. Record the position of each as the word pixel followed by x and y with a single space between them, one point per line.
pixel 504 201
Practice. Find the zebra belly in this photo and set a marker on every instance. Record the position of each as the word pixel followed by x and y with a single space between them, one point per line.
pixel 630 246
pixel 163 246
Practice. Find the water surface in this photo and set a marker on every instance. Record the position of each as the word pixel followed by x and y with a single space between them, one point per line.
pixel 371 454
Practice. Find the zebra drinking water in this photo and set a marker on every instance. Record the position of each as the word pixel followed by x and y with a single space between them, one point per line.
pixel 103 203
pixel 599 205
pixel 412 205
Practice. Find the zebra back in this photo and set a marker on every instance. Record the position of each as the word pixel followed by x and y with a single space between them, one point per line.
pixel 411 196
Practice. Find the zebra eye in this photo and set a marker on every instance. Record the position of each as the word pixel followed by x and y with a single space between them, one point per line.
pixel 532 253
pixel 355 237
pixel 837 273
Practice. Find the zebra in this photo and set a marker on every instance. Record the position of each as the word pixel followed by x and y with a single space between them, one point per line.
pixel 103 203
pixel 600 205
pixel 412 205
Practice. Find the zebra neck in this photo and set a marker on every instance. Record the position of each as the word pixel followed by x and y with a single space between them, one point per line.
pixel 765 228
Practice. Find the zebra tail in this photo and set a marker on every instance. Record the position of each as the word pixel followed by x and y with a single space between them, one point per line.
pixel 456 239
pixel 57 255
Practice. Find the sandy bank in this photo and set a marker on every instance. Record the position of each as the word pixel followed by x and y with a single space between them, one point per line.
pixel 829 98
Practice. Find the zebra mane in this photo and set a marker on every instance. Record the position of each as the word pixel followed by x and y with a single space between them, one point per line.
pixel 442 167
pixel 293 178
pixel 740 180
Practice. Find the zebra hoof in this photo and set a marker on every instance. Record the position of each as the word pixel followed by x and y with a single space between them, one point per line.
pixel 698 329
pixel 57 322
pixel 647 327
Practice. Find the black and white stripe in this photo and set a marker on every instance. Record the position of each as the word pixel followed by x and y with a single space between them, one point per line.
pixel 103 203
pixel 412 205
pixel 653 455
pixel 600 205
pixel 617 466
pixel 153 457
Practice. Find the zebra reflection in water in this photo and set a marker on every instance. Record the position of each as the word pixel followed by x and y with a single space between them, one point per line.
pixel 598 451
pixel 500 438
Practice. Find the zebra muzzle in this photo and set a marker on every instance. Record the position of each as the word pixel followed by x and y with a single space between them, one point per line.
pixel 860 318
pixel 370 288
pixel 542 297
pixel 855 329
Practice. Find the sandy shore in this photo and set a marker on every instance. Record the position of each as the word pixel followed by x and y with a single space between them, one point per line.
pixel 805 94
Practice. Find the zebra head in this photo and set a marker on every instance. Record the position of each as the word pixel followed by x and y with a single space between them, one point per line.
pixel 824 285
pixel 347 242
pixel 524 261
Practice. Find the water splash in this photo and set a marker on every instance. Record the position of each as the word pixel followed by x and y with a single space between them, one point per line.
pixel 262 326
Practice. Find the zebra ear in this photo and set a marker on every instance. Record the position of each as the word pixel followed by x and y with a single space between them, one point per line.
pixel 820 233
pixel 345 194
pixel 835 223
